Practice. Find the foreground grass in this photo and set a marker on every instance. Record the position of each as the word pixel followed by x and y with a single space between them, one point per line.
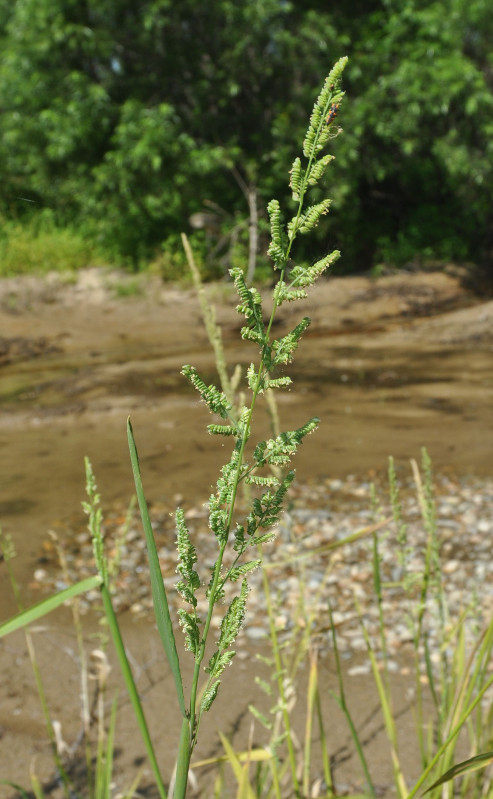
pixel 294 722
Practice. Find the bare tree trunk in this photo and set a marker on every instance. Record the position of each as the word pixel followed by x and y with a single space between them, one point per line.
pixel 250 194
pixel 252 233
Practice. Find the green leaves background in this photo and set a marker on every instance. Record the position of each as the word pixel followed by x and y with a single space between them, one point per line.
pixel 123 122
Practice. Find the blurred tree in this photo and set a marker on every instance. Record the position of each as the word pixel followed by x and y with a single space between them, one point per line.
pixel 417 151
pixel 127 117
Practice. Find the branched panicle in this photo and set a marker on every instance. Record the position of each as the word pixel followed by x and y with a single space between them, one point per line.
pixel 187 558
pixel 225 483
pixel 278 382
pixel 252 378
pixel 215 400
pixel 309 220
pixel 233 619
pixel 218 519
pixel 240 543
pixel 279 451
pixel 222 430
pixel 318 132
pixel 221 500
pixel 259 525
pixel 262 383
pixel 255 479
pixel 317 169
pixel 230 627
pixel 306 276
pixel 209 696
pixel 239 571
pixel 296 179
pixel 250 334
pixel 286 294
pixel 259 453
pixel 214 594
pixel 242 424
pixel 266 511
pixel 283 349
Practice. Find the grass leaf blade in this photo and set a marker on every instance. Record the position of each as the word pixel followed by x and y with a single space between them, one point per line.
pixel 161 609
pixel 473 763
pixel 47 605
pixel 131 687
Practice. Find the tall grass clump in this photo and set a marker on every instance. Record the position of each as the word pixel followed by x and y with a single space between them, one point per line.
pixel 83 767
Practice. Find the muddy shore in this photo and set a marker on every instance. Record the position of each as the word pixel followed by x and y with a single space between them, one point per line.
pixel 388 365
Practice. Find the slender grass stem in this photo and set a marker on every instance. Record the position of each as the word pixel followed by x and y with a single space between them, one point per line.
pixel 279 671
pixel 341 701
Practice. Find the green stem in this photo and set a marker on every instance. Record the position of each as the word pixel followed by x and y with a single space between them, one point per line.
pixel 183 761
pixel 341 701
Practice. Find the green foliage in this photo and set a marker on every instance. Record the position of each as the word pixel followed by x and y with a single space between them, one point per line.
pixel 126 123
pixel 418 150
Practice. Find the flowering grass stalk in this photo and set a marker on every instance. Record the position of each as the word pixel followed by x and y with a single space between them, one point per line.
pixel 249 465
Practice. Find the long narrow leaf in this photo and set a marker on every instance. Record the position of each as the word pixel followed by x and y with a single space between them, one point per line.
pixel 132 692
pixel 47 605
pixel 161 609
pixel 479 761
pixel 312 691
pixel 254 756
pixel 16 787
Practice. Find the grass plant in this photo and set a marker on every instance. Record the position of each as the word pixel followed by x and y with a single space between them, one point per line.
pixel 246 464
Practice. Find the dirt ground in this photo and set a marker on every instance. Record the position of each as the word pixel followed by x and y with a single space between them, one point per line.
pixel 388 364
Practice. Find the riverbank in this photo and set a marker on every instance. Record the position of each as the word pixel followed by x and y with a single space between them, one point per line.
pixel 388 365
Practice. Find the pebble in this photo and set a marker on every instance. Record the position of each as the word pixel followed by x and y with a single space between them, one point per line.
pixel 359 671
pixel 308 573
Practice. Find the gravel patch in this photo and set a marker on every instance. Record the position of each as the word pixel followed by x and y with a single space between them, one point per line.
pixel 313 560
